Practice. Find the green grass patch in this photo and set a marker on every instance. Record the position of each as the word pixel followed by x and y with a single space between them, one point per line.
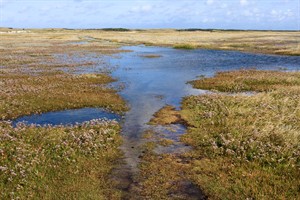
pixel 184 46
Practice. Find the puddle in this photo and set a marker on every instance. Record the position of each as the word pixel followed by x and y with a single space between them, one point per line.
pixel 68 117
pixel 171 132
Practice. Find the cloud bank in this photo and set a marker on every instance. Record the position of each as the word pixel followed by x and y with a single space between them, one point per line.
pixel 230 14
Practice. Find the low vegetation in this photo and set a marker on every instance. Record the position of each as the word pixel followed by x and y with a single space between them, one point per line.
pixel 246 146
pixel 270 42
pixel 162 176
pixel 115 29
pixel 248 80
pixel 41 72
pixel 243 146
pixel 24 94
pixel 166 115
pixel 184 46
pixel 56 162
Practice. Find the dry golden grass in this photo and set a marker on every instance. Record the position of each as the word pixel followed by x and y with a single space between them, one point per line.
pixel 246 146
pixel 27 94
pixel 166 115
pixel 164 177
pixel 248 80
pixel 243 146
pixel 73 162
pixel 271 42
pixel 284 43
pixel 158 182
pixel 34 76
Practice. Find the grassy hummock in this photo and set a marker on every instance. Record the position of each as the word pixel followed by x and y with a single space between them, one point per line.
pixel 184 46
pixel 166 115
pixel 24 94
pixel 57 162
pixel 246 146
pixel 248 80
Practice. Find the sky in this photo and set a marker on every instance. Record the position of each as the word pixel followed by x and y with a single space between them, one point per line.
pixel 180 14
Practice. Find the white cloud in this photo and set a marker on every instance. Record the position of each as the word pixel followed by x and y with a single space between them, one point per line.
pixel 247 13
pixel 209 2
pixel 4 2
pixel 228 13
pixel 142 8
pixel 244 2
pixel 224 5
pixel 151 13
pixel 208 20
pixel 281 15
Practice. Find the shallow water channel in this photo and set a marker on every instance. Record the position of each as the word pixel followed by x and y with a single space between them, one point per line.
pixel 151 83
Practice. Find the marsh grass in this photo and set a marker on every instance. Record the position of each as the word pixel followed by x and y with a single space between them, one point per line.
pixel 248 80
pixel 246 146
pixel 271 42
pixel 56 162
pixel 27 94
pixel 184 46
pixel 166 142
pixel 33 80
pixel 166 115
pixel 161 177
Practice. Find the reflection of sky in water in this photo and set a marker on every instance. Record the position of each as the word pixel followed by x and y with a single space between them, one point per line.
pixel 67 116
pixel 153 82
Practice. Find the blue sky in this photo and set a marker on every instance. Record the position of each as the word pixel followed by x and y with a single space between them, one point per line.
pixel 223 14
